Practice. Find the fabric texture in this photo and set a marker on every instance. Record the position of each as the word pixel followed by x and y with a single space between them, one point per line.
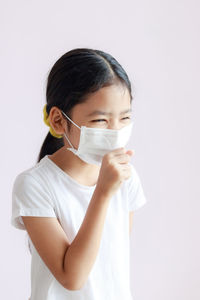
pixel 45 190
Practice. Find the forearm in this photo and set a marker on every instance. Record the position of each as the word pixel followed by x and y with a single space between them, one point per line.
pixel 83 251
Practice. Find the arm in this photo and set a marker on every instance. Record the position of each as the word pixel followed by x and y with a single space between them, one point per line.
pixel 70 263
pixel 82 253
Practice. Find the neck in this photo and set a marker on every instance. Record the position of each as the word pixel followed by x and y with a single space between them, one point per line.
pixel 74 166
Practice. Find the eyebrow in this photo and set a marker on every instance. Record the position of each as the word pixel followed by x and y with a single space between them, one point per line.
pixel 99 112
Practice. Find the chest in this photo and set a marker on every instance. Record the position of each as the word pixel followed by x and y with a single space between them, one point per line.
pixel 71 207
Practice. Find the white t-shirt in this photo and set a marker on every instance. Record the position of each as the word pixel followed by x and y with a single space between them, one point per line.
pixel 46 190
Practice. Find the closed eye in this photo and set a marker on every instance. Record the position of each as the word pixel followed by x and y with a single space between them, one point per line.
pixel 125 118
pixel 99 120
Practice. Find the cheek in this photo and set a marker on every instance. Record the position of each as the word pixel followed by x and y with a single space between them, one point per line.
pixel 74 136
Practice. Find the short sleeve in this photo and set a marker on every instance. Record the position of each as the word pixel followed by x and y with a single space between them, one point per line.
pixel 30 198
pixel 136 196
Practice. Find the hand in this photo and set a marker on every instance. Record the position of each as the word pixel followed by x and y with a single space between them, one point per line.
pixel 115 168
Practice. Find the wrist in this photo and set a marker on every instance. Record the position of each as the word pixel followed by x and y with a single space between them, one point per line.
pixel 102 194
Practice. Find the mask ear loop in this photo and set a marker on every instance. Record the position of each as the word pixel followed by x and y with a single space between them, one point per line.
pixel 69 142
pixel 65 134
pixel 71 120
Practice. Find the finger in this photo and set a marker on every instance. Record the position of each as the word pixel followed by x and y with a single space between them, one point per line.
pixel 117 151
pixel 130 152
pixel 122 159
pixel 126 173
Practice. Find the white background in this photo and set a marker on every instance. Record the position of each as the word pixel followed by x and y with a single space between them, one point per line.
pixel 157 43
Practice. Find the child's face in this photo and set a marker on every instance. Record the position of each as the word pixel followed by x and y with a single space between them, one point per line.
pixel 108 108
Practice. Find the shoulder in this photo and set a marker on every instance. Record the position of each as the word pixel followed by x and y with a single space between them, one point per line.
pixel 25 180
pixel 134 180
pixel 135 190
pixel 33 176
pixel 31 196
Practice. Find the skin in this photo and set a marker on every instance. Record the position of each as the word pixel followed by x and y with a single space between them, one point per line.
pixel 114 100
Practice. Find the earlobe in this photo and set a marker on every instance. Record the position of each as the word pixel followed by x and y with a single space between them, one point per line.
pixel 55 132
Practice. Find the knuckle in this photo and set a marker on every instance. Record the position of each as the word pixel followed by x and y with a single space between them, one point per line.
pixel 108 156
pixel 110 162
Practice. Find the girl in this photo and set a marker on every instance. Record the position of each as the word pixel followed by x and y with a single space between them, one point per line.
pixel 76 203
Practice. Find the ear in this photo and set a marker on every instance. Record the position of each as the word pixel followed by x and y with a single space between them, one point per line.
pixel 57 121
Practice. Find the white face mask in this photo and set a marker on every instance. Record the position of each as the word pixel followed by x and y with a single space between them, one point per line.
pixel 96 142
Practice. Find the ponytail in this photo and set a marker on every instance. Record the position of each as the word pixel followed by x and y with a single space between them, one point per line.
pixel 50 145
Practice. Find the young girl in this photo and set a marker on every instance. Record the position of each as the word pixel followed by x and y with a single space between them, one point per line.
pixel 76 203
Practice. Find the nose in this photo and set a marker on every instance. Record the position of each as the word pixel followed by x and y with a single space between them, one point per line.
pixel 114 125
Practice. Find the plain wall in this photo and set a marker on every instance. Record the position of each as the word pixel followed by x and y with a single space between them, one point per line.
pixel 157 43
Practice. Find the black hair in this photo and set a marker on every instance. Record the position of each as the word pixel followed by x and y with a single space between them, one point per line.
pixel 73 77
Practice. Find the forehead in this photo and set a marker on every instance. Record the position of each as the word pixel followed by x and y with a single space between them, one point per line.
pixel 112 100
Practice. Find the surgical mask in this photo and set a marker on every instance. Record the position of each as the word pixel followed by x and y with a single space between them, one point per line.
pixel 96 142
